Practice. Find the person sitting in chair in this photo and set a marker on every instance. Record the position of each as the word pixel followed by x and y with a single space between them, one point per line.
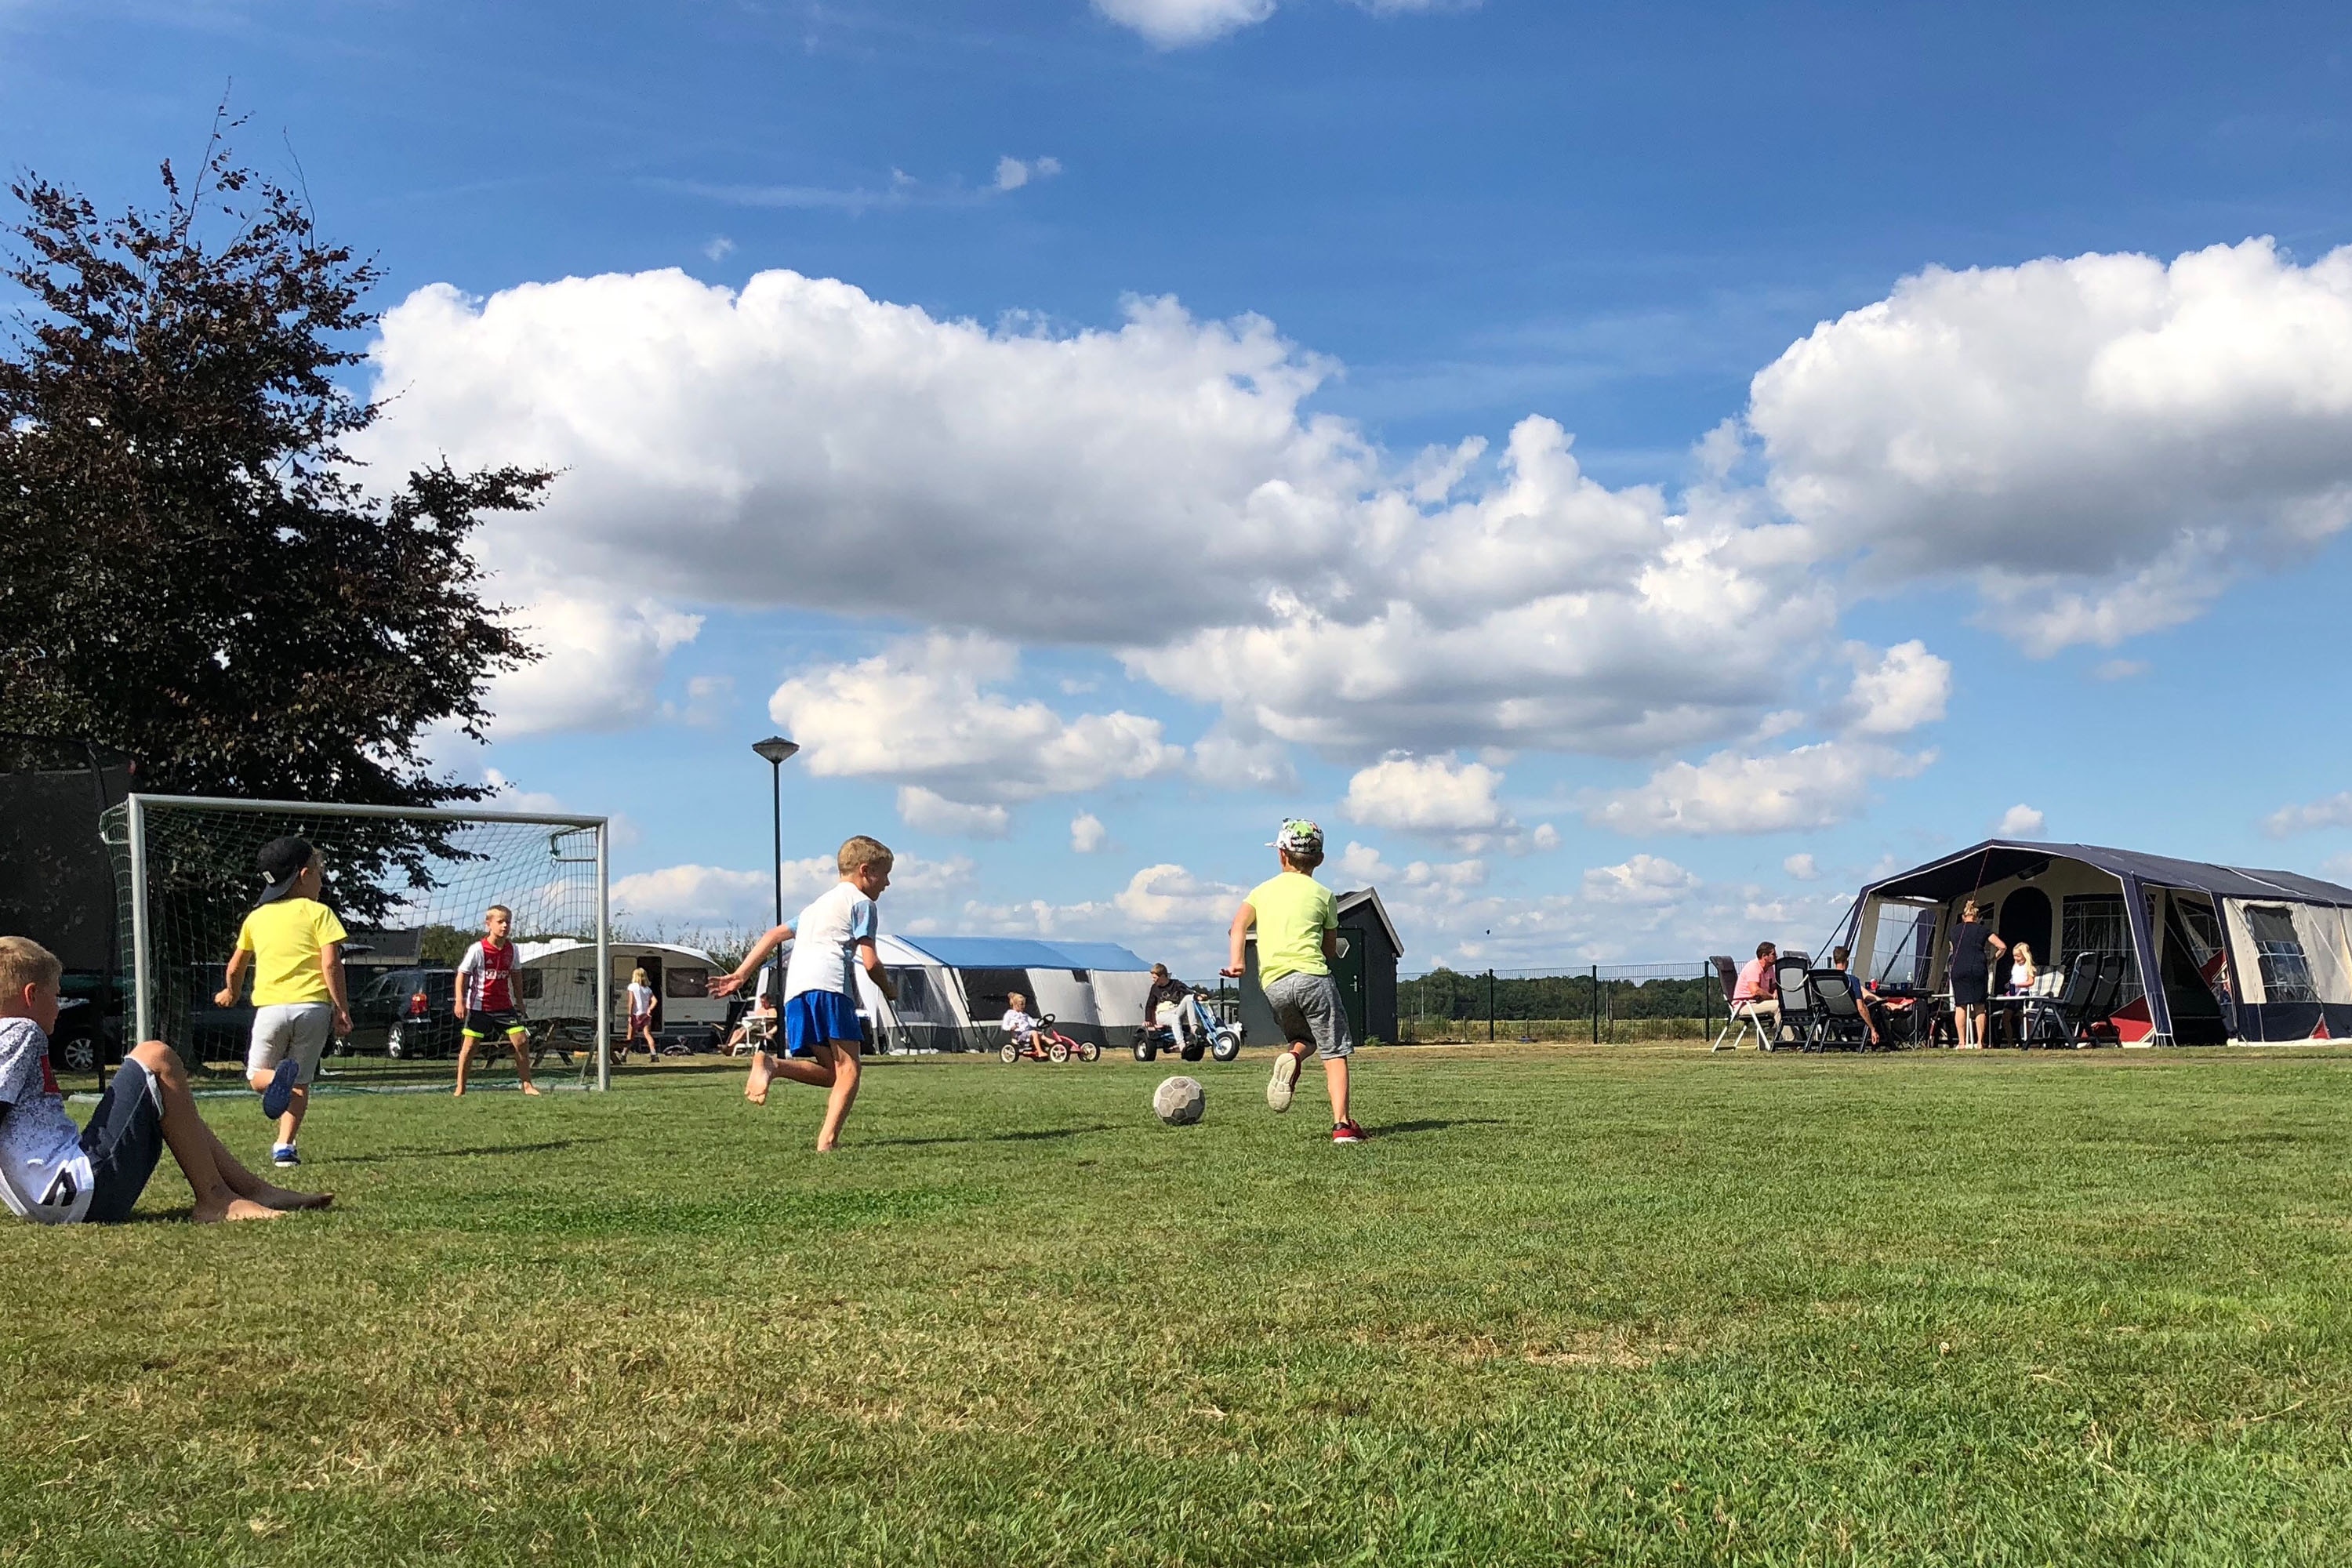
pixel 1874 1012
pixel 1758 994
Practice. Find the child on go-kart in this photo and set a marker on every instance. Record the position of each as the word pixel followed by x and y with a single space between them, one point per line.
pixel 1019 1025
pixel 1031 1038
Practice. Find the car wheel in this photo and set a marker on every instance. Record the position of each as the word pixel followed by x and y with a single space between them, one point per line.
pixel 79 1055
pixel 1011 1053
pixel 395 1044
pixel 1226 1045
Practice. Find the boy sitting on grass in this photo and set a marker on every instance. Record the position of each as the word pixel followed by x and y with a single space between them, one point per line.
pixel 54 1172
pixel 832 939
pixel 1297 923
pixel 294 944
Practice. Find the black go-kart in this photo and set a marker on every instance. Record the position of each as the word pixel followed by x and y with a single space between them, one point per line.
pixel 1209 1036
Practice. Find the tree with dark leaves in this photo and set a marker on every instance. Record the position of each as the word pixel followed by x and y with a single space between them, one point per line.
pixel 189 571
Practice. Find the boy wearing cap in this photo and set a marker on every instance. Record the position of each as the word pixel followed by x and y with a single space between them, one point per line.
pixel 1297 924
pixel 293 943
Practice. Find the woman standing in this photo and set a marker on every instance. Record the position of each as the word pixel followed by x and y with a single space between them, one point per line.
pixel 1969 970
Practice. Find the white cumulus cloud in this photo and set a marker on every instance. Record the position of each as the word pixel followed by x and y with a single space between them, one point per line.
pixel 2334 811
pixel 930 812
pixel 1801 867
pixel 2020 821
pixel 1173 24
pixel 1087 834
pixel 1896 691
pixel 1645 879
pixel 1425 794
pixel 1812 786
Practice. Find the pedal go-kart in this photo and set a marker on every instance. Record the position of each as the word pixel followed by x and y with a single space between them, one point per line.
pixel 1208 1037
pixel 1047 1043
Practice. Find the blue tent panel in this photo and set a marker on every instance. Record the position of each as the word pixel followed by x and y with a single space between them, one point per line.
pixel 1023 952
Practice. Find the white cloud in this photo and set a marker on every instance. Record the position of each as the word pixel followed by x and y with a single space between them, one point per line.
pixel 1896 691
pixel 1362 864
pixel 506 795
pixel 2336 811
pixel 1801 867
pixel 707 699
pixel 2020 821
pixel 930 812
pixel 921 712
pixel 1225 759
pixel 1645 879
pixel 1087 834
pixel 600 666
pixel 1169 895
pixel 695 895
pixel 1173 24
pixel 1012 173
pixel 1426 794
pixel 720 247
pixel 1812 786
pixel 2101 443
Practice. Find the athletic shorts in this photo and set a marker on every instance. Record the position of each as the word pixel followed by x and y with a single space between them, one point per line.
pixel 296 1029
pixel 503 1021
pixel 124 1139
pixel 814 1016
pixel 1307 1007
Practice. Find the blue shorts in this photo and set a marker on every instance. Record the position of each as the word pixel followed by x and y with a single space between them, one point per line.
pixel 812 1017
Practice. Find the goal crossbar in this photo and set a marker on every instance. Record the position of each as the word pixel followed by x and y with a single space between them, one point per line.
pixel 143 956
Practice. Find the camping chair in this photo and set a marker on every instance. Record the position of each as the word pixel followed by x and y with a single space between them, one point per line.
pixel 1796 1009
pixel 1741 1020
pixel 2097 1022
pixel 2050 1020
pixel 1837 1016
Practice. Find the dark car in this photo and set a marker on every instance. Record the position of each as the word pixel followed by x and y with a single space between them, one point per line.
pixel 215 1034
pixel 406 1014
pixel 89 1030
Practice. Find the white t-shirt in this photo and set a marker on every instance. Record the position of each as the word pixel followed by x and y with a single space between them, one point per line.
pixel 824 942
pixel 641 1000
pixel 1019 1025
pixel 44 1175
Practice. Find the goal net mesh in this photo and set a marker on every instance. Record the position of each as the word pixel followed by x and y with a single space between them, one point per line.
pixel 411 890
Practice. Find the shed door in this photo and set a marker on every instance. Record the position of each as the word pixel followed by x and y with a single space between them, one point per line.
pixel 1349 973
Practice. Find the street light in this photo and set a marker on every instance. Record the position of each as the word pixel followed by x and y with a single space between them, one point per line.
pixel 776 749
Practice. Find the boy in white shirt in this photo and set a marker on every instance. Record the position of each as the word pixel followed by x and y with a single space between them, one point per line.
pixel 53 1172
pixel 485 1003
pixel 832 939
pixel 1017 1021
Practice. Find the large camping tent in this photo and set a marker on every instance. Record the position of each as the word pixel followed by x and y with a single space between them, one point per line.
pixel 2246 955
pixel 951 989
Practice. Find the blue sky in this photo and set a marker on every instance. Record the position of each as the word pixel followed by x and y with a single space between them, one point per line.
pixel 1036 528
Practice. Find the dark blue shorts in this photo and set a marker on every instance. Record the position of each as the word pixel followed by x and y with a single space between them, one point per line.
pixel 813 1017
pixel 124 1139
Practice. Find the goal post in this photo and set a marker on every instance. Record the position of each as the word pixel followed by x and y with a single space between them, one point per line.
pixel 187 878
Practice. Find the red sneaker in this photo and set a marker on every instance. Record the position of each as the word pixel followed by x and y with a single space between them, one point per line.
pixel 1349 1132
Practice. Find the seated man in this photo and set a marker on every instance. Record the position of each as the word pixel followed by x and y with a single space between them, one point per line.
pixel 1169 1005
pixel 1758 994
pixel 1874 1012
pixel 1017 1022
pixel 55 1174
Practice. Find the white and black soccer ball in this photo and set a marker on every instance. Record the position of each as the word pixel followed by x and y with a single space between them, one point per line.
pixel 1179 1101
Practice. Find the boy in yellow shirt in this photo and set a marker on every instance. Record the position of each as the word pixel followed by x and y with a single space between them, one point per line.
pixel 293 943
pixel 1297 926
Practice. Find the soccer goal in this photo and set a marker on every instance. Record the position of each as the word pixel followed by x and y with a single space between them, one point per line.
pixel 409 884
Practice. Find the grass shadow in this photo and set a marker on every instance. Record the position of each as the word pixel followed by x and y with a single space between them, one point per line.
pixel 548 1147
pixel 1037 1135
pixel 1403 1128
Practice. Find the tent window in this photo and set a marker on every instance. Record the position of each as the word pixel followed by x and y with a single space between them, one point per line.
pixel 2286 971
pixel 914 988
pixel 2093 923
pixel 2204 928
pixel 1904 945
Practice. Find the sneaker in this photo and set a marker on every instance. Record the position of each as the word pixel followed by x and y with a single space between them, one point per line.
pixel 285 1154
pixel 280 1094
pixel 1349 1132
pixel 1285 1079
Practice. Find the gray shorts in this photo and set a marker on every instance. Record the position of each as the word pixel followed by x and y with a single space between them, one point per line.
pixel 1307 1007
pixel 297 1029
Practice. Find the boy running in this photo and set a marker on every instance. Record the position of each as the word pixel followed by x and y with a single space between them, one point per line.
pixel 294 944
pixel 832 939
pixel 1297 926
pixel 486 998
pixel 53 1172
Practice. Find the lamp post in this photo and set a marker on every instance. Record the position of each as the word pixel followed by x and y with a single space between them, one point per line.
pixel 776 749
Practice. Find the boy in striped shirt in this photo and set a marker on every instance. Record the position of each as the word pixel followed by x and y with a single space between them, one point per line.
pixel 486 998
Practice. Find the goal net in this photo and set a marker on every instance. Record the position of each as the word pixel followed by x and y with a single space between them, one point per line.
pixel 410 886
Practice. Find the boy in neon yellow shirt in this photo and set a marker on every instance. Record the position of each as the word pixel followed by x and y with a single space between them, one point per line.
pixel 1297 924
pixel 293 943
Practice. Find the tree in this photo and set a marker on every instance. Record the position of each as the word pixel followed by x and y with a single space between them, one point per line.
pixel 189 571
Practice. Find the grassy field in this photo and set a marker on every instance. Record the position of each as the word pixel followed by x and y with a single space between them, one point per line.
pixel 1570 1306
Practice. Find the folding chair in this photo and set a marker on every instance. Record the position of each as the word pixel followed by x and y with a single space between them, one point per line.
pixel 2050 1020
pixel 1837 1016
pixel 1797 1014
pixel 1739 1019
pixel 2096 1023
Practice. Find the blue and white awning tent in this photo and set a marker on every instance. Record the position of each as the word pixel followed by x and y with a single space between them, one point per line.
pixel 952 989
pixel 2239 954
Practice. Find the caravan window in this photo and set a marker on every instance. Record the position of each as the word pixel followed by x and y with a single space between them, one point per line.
pixel 2286 970
pixel 686 983
pixel 530 984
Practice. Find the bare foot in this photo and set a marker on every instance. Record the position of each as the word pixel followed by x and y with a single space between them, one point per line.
pixel 459 1092
pixel 281 1199
pixel 530 1089
pixel 235 1208
pixel 755 1088
pixel 828 1148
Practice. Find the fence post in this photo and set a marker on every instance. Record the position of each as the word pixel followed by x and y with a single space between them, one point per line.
pixel 1490 1007
pixel 1592 999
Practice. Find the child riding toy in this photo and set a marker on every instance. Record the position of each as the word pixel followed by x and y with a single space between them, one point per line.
pixel 1198 1033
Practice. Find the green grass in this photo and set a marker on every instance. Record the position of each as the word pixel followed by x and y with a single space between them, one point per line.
pixel 1570 1306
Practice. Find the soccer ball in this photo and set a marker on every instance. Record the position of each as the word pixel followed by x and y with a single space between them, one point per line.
pixel 1179 1101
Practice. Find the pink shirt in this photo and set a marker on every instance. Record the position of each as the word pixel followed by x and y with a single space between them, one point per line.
pixel 1756 981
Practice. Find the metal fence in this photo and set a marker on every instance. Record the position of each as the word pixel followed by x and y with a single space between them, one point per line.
pixel 1598 1003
